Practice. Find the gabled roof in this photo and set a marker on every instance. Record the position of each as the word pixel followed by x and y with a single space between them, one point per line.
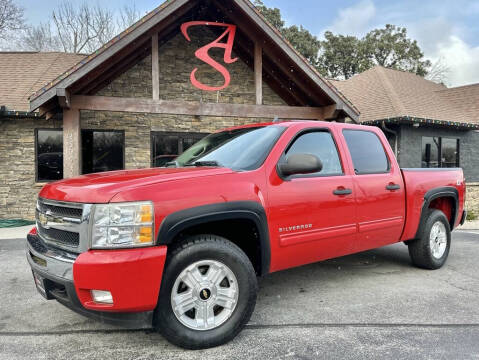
pixel 21 73
pixel 381 93
pixel 167 12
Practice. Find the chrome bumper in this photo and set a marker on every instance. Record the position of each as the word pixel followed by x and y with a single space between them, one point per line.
pixel 47 261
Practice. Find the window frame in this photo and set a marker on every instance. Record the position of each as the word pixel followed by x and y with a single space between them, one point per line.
pixel 179 134
pixel 439 152
pixel 314 175
pixel 389 168
pixel 36 130
pixel 104 130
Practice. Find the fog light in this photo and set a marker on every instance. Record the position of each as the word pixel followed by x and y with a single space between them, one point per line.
pixel 102 296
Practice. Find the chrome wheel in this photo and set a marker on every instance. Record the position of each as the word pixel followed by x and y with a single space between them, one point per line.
pixel 204 295
pixel 438 239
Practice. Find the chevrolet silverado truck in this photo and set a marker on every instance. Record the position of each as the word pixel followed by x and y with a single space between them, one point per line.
pixel 181 247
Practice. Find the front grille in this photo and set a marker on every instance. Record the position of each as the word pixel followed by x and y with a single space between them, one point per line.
pixel 60 210
pixel 62 237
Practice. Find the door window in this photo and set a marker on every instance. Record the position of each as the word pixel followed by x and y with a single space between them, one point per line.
pixel 320 144
pixel 366 151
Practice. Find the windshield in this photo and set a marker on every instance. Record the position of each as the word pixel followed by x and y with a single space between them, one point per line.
pixel 238 149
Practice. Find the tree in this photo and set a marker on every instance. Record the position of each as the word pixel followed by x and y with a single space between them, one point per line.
pixel 342 56
pixel 339 56
pixel 439 72
pixel 390 47
pixel 11 17
pixel 307 44
pixel 39 38
pixel 273 15
pixel 302 40
pixel 77 28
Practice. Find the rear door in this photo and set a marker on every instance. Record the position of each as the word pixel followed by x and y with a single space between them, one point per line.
pixel 378 188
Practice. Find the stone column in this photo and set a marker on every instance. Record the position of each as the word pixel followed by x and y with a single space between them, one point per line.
pixel 71 143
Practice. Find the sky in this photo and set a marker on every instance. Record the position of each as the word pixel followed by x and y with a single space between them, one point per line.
pixel 446 30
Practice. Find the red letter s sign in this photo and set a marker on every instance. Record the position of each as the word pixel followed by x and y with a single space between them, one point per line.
pixel 202 53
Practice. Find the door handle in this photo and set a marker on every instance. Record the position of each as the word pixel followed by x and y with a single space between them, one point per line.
pixel 342 191
pixel 392 187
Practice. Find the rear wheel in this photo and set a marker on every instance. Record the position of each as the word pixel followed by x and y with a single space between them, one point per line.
pixel 208 293
pixel 431 249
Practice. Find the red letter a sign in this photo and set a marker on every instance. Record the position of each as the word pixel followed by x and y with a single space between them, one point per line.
pixel 202 53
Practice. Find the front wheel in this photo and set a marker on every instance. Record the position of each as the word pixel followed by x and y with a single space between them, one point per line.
pixel 208 293
pixel 431 249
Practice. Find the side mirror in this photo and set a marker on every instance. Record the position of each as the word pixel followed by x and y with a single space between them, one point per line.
pixel 300 164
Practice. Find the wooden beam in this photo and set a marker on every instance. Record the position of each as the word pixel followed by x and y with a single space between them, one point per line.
pixel 71 143
pixel 155 67
pixel 276 83
pixel 330 112
pixel 64 98
pixel 141 105
pixel 258 72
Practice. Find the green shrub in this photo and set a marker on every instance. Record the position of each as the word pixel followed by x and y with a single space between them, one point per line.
pixel 471 215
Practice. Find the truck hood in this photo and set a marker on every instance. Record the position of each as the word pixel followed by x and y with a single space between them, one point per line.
pixel 101 187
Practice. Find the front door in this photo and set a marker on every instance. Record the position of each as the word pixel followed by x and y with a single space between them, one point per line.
pixel 312 216
pixel 379 190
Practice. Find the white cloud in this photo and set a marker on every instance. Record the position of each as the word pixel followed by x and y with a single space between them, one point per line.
pixel 462 60
pixel 354 20
pixel 438 27
pixel 440 39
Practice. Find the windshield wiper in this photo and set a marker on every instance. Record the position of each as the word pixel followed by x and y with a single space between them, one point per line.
pixel 207 163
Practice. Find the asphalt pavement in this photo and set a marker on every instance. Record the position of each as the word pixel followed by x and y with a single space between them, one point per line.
pixel 369 305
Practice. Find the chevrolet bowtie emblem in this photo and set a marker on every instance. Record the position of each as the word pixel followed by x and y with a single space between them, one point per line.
pixel 46 220
pixel 42 219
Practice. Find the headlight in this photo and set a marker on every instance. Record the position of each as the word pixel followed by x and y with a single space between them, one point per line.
pixel 122 225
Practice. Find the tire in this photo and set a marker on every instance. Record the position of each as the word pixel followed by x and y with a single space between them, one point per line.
pixel 431 249
pixel 201 257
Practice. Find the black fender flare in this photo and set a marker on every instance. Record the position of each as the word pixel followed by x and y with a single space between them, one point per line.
pixel 445 191
pixel 176 222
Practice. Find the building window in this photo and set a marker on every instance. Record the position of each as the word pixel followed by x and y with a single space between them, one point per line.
pixel 165 146
pixel 102 150
pixel 439 152
pixel 49 155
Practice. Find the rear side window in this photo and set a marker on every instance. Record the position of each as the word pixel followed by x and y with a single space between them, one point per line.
pixel 321 144
pixel 366 151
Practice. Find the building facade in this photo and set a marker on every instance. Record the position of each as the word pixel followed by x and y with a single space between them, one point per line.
pixel 187 69
pixel 428 125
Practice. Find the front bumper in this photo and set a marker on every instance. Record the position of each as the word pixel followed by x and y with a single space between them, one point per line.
pixel 133 276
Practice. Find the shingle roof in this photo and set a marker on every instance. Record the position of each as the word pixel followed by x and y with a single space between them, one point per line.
pixel 22 73
pixel 382 93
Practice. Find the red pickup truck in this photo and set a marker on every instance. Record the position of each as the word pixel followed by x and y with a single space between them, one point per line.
pixel 181 247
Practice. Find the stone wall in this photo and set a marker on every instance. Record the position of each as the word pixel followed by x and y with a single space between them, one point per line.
pixel 18 190
pixel 472 198
pixel 176 62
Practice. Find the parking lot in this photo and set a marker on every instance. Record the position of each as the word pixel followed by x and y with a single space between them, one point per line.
pixel 373 304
